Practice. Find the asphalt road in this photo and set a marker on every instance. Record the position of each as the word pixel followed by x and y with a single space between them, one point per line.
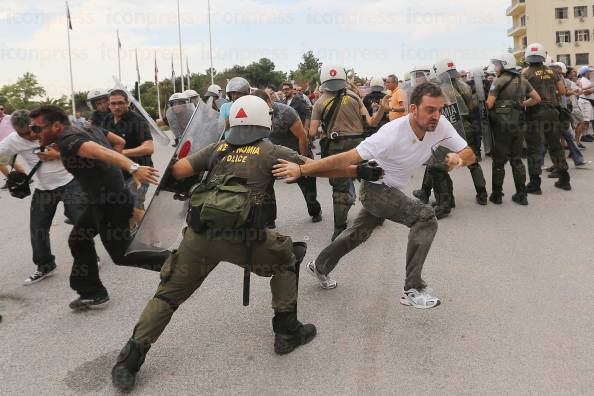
pixel 515 283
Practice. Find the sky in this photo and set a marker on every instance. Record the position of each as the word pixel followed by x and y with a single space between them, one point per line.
pixel 376 37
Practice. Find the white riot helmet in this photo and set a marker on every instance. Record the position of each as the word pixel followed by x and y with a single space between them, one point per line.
pixel 446 66
pixel 490 70
pixel 238 84
pixel 535 53
pixel 507 60
pixel 94 95
pixel 213 90
pixel 377 84
pixel 249 120
pixel 406 76
pixel 333 78
pixel 562 66
pixel 190 94
pixel 177 98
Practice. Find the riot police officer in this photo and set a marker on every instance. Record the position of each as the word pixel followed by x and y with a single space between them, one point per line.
pixel 192 96
pixel 342 115
pixel 98 102
pixel 216 92
pixel 372 103
pixel 247 158
pixel 543 120
pixel 507 100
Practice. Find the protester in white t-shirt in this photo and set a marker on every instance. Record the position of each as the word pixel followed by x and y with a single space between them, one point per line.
pixel 5 130
pixel 54 184
pixel 399 148
pixel 587 96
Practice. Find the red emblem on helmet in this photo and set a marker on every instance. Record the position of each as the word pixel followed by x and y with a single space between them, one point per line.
pixel 332 73
pixel 534 49
pixel 451 64
pixel 241 113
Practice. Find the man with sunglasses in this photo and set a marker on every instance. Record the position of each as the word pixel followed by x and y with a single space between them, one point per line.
pixel 54 185
pixel 399 147
pixel 98 168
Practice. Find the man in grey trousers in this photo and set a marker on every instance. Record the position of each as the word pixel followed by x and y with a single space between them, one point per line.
pixel 399 147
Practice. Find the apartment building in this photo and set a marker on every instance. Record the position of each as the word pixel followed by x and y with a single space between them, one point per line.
pixel 564 27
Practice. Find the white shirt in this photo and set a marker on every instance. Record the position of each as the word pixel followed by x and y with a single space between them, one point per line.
pixel 586 83
pixel 50 175
pixel 5 127
pixel 399 152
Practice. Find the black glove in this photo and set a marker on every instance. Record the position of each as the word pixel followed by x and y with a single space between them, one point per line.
pixel 368 170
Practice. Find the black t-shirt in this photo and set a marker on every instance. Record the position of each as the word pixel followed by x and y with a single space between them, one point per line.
pixel 102 182
pixel 97 117
pixel 134 130
pixel 368 101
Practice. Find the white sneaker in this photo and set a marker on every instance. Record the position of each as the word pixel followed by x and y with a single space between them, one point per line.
pixel 38 276
pixel 584 165
pixel 419 299
pixel 325 281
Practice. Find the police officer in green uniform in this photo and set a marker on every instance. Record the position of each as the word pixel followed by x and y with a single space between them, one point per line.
pixel 507 100
pixel 246 155
pixel 343 126
pixel 436 175
pixel 543 120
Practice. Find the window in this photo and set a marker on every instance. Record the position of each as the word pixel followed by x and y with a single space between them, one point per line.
pixel 582 59
pixel 581 11
pixel 582 35
pixel 566 58
pixel 564 37
pixel 562 13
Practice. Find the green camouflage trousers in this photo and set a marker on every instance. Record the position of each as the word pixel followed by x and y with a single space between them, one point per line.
pixel 544 127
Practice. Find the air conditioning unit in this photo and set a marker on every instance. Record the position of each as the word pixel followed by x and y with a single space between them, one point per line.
pixel 576 43
pixel 559 21
pixel 559 44
pixel 581 19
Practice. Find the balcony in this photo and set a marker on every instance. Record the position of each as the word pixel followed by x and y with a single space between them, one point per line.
pixel 518 7
pixel 519 30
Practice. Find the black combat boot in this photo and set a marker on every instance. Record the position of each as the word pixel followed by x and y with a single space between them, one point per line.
pixel 131 357
pixel 563 182
pixel 555 173
pixel 520 197
pixel 496 197
pixel 533 186
pixel 422 195
pixel 289 333
pixel 481 197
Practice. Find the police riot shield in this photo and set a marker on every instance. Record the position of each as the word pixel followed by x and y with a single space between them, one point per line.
pixel 478 77
pixel 455 106
pixel 166 214
pixel 406 90
pixel 156 132
pixel 178 117
pixel 219 103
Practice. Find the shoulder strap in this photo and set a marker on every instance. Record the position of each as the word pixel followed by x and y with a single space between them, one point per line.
pixel 333 112
pixel 507 84
pixel 32 172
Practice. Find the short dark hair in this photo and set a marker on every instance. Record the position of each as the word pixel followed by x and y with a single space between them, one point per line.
pixel 118 92
pixel 425 89
pixel 287 83
pixel 50 114
pixel 261 94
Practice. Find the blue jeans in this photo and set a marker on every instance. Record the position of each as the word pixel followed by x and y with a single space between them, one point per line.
pixel 43 209
pixel 576 154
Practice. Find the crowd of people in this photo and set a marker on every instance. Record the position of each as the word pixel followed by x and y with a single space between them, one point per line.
pixel 437 116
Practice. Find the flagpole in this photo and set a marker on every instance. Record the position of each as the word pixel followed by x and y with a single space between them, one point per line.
pixel 210 45
pixel 119 63
pixel 181 60
pixel 138 76
pixel 157 84
pixel 188 72
pixel 68 27
pixel 172 74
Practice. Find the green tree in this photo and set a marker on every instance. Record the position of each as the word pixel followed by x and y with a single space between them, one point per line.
pixel 22 93
pixel 307 72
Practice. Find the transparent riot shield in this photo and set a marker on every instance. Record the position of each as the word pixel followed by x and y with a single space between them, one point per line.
pixel 178 117
pixel 478 77
pixel 406 90
pixel 455 106
pixel 156 132
pixel 166 214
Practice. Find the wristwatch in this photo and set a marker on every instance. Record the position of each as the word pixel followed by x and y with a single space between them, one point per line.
pixel 133 168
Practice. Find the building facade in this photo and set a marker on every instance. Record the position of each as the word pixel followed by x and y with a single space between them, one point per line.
pixel 564 27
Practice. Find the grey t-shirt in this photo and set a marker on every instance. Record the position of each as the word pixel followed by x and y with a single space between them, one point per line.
pixel 283 117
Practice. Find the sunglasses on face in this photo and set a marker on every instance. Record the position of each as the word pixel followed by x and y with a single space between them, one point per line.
pixel 36 129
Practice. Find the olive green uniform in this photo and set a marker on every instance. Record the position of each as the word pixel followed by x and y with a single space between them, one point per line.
pixel 543 123
pixel 508 124
pixel 346 134
pixel 199 253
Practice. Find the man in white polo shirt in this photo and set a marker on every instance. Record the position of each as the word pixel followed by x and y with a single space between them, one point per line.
pixel 54 184
pixel 399 148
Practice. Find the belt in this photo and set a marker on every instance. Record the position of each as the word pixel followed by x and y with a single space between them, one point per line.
pixel 337 136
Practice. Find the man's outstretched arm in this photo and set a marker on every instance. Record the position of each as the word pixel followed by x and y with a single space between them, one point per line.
pixel 339 165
